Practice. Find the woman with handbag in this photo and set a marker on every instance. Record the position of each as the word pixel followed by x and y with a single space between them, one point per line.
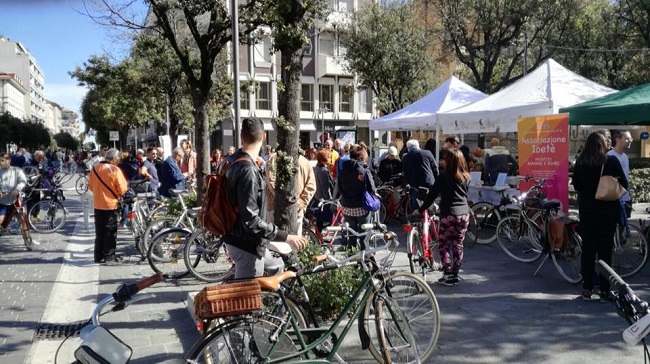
pixel 598 215
pixel 452 186
pixel 354 180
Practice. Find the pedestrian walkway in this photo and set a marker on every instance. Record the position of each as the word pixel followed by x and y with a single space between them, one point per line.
pixel 499 313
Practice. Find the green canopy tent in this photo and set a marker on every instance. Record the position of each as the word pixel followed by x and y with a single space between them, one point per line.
pixel 627 107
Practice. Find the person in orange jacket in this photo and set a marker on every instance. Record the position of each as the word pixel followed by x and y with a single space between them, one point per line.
pixel 108 185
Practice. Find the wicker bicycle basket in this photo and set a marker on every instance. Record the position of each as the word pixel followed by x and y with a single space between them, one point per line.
pixel 228 299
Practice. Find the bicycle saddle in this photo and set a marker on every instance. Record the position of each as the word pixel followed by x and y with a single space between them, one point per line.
pixel 193 212
pixel 273 282
pixel 280 247
pixel 550 205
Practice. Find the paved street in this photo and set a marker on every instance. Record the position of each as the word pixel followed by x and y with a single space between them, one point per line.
pixel 499 313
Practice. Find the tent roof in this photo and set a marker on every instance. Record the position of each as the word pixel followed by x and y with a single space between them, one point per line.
pixel 422 114
pixel 631 106
pixel 542 92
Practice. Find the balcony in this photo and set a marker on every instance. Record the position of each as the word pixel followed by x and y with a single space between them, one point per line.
pixel 331 66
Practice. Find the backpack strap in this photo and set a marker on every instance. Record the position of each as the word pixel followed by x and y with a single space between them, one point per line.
pixel 104 183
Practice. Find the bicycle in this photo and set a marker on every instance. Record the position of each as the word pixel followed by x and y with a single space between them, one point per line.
pixel 630 307
pixel 48 215
pixel 524 240
pixel 99 345
pixel 81 184
pixel 310 228
pixel 421 243
pixel 206 256
pixel 264 337
pixel 159 218
pixel 390 209
pixel 167 248
pixel 18 210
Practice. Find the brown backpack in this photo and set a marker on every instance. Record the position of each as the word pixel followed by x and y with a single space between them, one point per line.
pixel 217 214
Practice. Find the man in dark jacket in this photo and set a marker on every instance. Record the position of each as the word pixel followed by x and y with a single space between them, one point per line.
pixel 420 169
pixel 248 238
pixel 171 176
pixel 390 166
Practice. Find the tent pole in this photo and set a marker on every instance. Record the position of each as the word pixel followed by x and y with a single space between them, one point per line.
pixel 437 141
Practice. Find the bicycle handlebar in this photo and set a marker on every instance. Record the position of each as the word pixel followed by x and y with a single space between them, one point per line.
pixel 126 291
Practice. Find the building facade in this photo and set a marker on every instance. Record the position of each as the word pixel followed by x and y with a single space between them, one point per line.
pixel 69 122
pixel 52 116
pixel 332 104
pixel 14 97
pixel 16 58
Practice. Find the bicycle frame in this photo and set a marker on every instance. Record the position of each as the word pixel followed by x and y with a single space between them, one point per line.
pixel 392 207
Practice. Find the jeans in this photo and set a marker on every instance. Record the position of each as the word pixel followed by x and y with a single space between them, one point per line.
pixel 248 265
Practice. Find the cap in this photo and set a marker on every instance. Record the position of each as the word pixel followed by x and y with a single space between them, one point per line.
pixel 392 151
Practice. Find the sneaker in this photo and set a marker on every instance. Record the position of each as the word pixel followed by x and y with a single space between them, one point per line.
pixel 449 279
pixel 586 295
pixel 36 218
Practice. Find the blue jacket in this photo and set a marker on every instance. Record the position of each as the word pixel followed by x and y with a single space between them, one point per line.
pixel 170 177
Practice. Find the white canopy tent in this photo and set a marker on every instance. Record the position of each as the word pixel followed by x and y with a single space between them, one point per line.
pixel 542 92
pixel 422 114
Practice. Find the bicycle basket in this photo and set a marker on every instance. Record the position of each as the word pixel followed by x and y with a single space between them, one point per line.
pixel 228 299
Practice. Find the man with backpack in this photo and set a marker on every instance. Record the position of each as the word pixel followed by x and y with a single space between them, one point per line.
pixel 248 237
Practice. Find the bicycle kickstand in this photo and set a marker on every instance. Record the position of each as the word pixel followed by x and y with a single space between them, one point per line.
pixel 542 263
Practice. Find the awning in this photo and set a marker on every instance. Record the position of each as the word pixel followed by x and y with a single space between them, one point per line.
pixel 307 125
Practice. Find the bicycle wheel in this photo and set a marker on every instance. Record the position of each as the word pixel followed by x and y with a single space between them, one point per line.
pixel 165 254
pixel 472 231
pixel 310 235
pixel 418 303
pixel 383 213
pixel 518 239
pixel 414 252
pixel 153 228
pixel 567 260
pixel 47 216
pixel 396 340
pixel 205 257
pixel 630 253
pixel 242 340
pixel 487 220
pixel 81 185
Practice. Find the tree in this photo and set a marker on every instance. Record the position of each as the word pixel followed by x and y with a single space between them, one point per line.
pixel 198 31
pixel 26 134
pixel 481 34
pixel 399 71
pixel 290 21
pixel 117 99
pixel 67 141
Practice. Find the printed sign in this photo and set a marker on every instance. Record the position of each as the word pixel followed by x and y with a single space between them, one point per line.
pixel 114 136
pixel 543 154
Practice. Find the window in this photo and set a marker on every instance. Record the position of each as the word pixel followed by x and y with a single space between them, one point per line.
pixel 346 98
pixel 263 100
pixel 307 98
pixel 244 100
pixel 326 44
pixel 306 50
pixel 365 101
pixel 327 97
pixel 344 6
pixel 263 51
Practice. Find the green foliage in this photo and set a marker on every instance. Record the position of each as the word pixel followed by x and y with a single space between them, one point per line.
pixel 67 141
pixel 640 184
pixel 636 163
pixel 399 71
pixel 329 291
pixel 175 207
pixel 24 134
pixel 487 37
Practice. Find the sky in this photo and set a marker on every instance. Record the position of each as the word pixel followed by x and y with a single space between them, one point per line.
pixel 60 37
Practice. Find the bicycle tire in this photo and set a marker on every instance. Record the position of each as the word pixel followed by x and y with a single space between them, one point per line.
pixel 310 235
pixel 81 185
pixel 417 301
pixel 472 231
pixel 568 259
pixel 630 254
pixel 487 220
pixel 235 341
pixel 517 241
pixel 383 213
pixel 396 340
pixel 414 252
pixel 47 217
pixel 206 258
pixel 165 254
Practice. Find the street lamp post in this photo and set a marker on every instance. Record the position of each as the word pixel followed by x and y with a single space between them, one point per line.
pixel 322 111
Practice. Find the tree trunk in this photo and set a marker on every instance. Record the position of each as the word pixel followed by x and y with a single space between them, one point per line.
pixel 202 145
pixel 286 198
